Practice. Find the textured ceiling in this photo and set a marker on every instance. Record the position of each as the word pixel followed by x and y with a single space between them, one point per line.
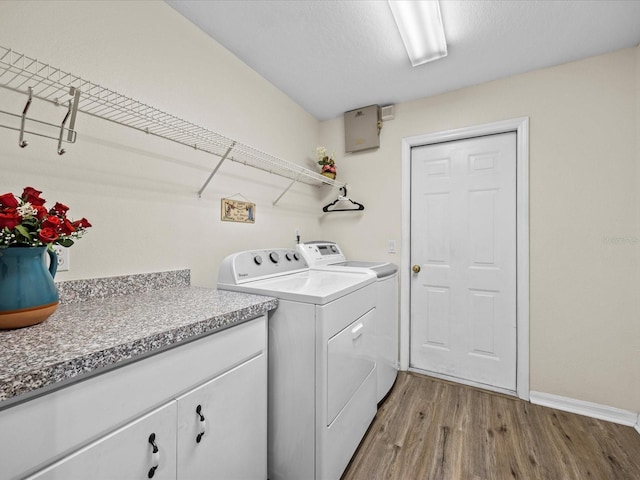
pixel 334 56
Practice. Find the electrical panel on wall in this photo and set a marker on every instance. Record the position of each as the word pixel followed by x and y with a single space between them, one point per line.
pixel 362 129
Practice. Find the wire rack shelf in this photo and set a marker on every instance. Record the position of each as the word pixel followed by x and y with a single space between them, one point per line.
pixel 28 75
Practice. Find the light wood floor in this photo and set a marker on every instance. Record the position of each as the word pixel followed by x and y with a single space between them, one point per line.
pixel 436 430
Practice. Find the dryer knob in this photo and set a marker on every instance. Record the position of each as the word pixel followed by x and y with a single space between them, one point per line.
pixel 288 256
pixel 333 249
pixel 274 257
pixel 296 257
pixel 258 260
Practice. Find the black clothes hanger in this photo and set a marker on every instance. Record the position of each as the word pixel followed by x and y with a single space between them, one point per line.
pixel 343 197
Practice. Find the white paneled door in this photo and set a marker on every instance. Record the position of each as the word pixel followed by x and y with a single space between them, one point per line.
pixel 463 257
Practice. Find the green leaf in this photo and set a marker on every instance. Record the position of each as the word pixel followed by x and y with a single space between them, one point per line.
pixel 23 231
pixel 65 242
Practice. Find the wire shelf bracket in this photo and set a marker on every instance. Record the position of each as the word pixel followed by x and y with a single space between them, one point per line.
pixel 30 76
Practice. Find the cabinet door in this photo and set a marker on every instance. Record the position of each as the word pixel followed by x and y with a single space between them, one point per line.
pixel 129 453
pixel 232 414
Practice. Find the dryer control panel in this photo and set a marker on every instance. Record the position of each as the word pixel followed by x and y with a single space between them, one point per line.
pixel 256 264
pixel 320 253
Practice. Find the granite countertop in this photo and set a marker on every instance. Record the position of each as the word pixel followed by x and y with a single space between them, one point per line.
pixel 111 325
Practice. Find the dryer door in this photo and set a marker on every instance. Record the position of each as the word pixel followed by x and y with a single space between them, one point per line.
pixel 350 359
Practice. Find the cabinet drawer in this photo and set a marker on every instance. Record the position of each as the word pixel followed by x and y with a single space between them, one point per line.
pixel 350 359
pixel 126 454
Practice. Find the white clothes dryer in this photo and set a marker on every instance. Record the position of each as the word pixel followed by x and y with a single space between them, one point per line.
pixel 326 255
pixel 322 367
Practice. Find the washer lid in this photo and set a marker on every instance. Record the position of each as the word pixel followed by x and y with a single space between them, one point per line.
pixel 312 286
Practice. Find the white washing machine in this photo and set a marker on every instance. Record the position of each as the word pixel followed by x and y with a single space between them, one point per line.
pixel 328 256
pixel 322 366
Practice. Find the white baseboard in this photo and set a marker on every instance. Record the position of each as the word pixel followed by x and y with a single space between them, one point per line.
pixel 594 410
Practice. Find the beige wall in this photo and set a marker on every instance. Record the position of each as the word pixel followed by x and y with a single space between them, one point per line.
pixel 140 192
pixel 583 212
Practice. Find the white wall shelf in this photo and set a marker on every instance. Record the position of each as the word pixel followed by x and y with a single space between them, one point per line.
pixel 36 79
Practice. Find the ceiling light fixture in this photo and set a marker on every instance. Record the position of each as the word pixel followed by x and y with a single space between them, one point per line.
pixel 420 25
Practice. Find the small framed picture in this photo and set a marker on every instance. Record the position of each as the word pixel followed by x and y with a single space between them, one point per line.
pixel 236 211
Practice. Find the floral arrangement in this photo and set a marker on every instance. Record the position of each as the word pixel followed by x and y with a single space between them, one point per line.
pixel 326 160
pixel 25 222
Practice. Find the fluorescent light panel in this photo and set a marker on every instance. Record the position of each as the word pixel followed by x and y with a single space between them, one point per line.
pixel 420 25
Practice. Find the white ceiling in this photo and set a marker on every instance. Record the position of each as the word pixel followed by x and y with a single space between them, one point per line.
pixel 331 56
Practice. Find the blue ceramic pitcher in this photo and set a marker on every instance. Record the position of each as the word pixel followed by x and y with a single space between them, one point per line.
pixel 27 292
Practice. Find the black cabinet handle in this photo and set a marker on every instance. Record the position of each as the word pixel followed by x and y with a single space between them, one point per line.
pixel 202 427
pixel 155 457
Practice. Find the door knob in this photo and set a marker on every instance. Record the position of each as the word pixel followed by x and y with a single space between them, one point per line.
pixel 416 269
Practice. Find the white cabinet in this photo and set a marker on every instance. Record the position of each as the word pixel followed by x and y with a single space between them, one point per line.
pixel 100 428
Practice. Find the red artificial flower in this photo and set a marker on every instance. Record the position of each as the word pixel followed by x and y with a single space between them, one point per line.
pixel 9 218
pixel 67 228
pixel 52 222
pixel 42 212
pixel 60 209
pixel 47 235
pixel 31 195
pixel 82 223
pixel 8 200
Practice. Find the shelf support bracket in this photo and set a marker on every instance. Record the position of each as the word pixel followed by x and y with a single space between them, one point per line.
pixel 286 190
pixel 215 170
